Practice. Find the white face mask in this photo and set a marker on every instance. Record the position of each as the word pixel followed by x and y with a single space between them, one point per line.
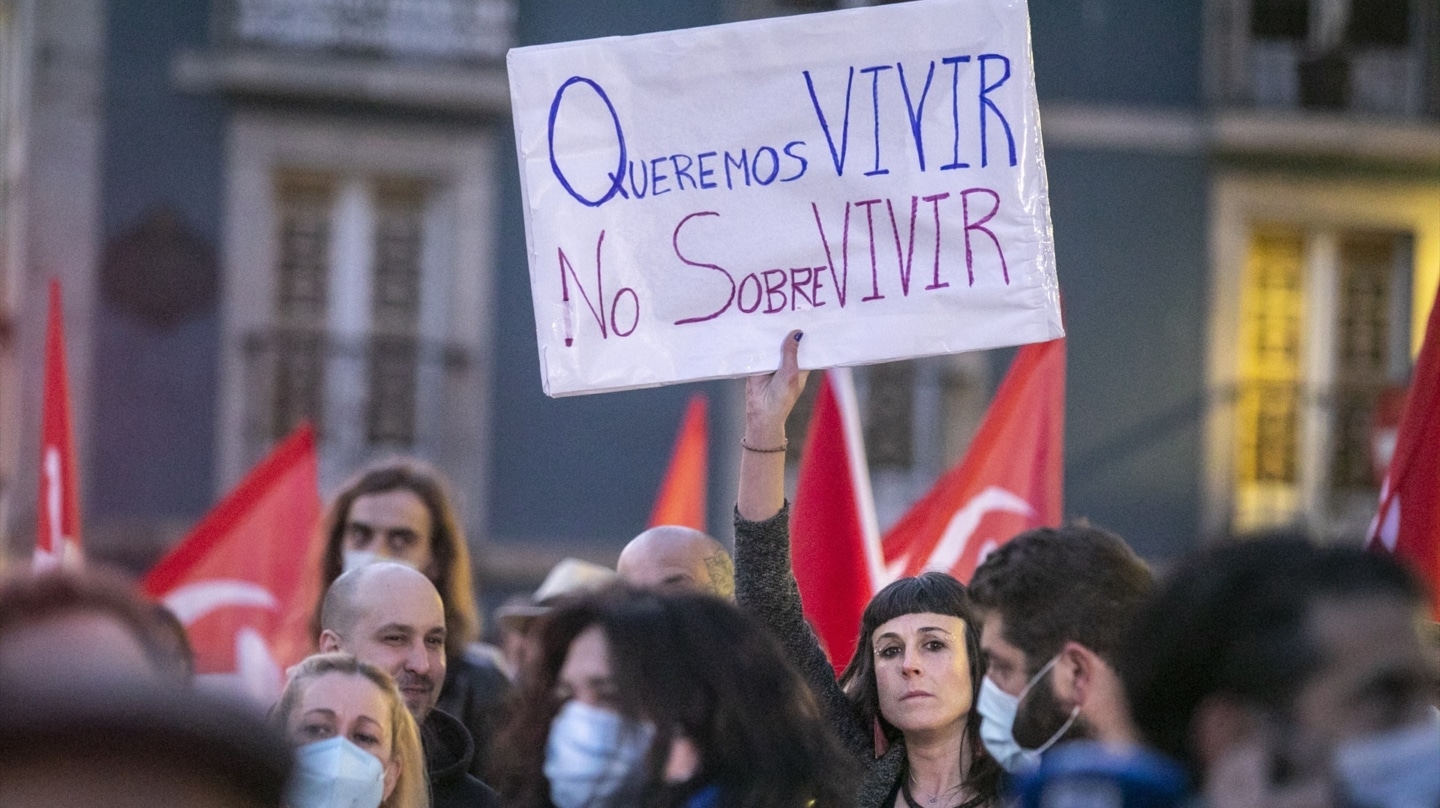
pixel 997 725
pixel 335 773
pixel 355 559
pixel 594 757
pixel 997 714
pixel 1395 769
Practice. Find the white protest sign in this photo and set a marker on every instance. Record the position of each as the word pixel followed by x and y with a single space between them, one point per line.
pixel 872 176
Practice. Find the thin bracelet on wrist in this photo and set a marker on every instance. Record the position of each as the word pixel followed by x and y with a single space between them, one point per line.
pixel 784 444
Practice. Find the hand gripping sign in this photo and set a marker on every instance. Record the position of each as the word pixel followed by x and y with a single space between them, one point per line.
pixel 873 176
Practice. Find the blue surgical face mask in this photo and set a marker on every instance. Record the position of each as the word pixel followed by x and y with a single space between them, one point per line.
pixel 594 757
pixel 335 773
pixel 1395 769
pixel 997 724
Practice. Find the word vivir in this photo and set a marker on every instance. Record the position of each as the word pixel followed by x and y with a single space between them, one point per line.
pixel 916 94
pixel 877 225
pixel 967 83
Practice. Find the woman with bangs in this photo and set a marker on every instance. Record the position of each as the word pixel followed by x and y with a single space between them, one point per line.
pixel 905 703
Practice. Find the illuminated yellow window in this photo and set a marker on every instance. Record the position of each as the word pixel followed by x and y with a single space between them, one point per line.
pixel 1320 294
pixel 1268 390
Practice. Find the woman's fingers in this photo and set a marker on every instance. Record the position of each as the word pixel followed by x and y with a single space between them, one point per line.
pixel 790 374
pixel 769 398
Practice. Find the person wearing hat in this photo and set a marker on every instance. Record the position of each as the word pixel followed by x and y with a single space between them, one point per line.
pixel 569 578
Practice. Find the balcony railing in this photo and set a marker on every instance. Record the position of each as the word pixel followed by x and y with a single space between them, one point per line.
pixel 1385 82
pixel 435 29
pixel 374 391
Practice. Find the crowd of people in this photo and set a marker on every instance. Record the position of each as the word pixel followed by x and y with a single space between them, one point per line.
pixel 1271 672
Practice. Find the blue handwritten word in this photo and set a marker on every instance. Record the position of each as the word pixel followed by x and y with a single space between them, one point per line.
pixel 661 175
pixel 837 120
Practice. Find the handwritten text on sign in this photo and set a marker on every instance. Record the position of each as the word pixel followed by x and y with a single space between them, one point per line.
pixel 873 176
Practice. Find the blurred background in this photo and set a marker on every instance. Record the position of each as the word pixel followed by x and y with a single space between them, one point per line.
pixel 264 211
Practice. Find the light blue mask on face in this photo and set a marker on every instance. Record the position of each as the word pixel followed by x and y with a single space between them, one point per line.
pixel 997 723
pixel 335 773
pixel 594 757
pixel 997 718
pixel 1395 769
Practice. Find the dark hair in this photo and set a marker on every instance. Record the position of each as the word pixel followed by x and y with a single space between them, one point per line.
pixel 181 655
pixel 1233 620
pixel 28 598
pixel 447 544
pixel 693 666
pixel 1056 585
pixel 156 734
pixel 938 593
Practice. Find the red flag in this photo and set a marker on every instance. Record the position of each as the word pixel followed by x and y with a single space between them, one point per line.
pixel 681 500
pixel 1408 522
pixel 1010 480
pixel 57 537
pixel 835 546
pixel 246 579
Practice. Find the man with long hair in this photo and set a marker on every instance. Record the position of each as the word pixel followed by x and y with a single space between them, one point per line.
pixel 401 510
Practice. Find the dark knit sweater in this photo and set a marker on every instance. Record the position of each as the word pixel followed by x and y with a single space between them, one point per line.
pixel 765 586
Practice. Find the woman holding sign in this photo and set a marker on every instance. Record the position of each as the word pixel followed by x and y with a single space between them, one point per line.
pixel 904 703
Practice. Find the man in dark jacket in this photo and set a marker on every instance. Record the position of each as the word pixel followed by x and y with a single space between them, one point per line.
pixel 390 616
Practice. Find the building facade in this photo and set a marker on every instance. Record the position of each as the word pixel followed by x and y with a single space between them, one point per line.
pixel 267 211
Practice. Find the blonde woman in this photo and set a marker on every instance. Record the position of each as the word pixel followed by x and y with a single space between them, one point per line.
pixel 355 743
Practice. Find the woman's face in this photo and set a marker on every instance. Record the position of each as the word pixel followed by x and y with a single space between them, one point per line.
pixel 352 707
pixel 585 676
pixel 922 672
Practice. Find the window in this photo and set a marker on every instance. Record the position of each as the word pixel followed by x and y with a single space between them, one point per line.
pixel 399 223
pixel 339 238
pixel 1363 56
pixel 303 206
pixel 1267 401
pixel 1314 385
pixel 1321 289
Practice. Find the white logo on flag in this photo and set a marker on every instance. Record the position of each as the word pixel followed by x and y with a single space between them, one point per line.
pixel 961 529
pixel 963 524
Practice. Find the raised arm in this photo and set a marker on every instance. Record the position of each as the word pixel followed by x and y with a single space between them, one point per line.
pixel 764 581
pixel 768 402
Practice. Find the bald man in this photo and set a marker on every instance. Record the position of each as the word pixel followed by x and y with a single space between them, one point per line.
pixel 390 616
pixel 675 557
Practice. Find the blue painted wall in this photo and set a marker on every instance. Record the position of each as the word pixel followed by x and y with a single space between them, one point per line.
pixel 1130 250
pixel 1130 245
pixel 1118 52
pixel 154 405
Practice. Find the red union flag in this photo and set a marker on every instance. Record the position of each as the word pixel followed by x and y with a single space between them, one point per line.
pixel 57 538
pixel 245 580
pixel 1010 480
pixel 681 500
pixel 1408 522
pixel 835 544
